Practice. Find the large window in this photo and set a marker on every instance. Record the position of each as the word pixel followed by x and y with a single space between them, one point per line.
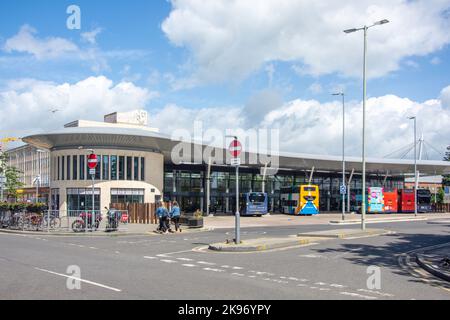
pixel 105 167
pixel 136 168
pixel 113 167
pixel 74 168
pixel 142 168
pixel 127 195
pixel 98 169
pixel 62 167
pixel 68 168
pixel 82 167
pixel 79 199
pixel 59 168
pixel 121 168
pixel 129 168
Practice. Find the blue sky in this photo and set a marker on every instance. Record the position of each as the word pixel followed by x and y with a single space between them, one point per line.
pixel 133 46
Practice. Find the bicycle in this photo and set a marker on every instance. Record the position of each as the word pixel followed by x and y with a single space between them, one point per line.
pixel 51 221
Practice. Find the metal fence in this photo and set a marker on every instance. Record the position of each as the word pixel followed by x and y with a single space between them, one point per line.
pixel 64 221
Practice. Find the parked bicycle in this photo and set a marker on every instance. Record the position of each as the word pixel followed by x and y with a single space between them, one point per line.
pixel 113 221
pixel 79 225
pixel 51 221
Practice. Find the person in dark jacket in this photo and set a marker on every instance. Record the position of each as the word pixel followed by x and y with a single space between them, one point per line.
pixel 175 215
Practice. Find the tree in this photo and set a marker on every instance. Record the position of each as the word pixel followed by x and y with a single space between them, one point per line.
pixel 446 179
pixel 12 175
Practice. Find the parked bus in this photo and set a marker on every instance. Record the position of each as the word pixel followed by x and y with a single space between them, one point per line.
pixel 255 204
pixel 407 201
pixel 424 201
pixel 375 200
pixel 391 201
pixel 303 200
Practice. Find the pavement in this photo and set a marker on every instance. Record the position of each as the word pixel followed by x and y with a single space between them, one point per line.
pixel 180 266
pixel 435 260
pixel 262 244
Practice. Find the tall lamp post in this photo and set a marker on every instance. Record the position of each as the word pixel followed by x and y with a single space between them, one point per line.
pixel 39 175
pixel 415 164
pixel 343 187
pixel 236 164
pixel 365 28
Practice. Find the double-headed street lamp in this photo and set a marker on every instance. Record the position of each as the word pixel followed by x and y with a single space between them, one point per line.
pixel 363 207
pixel 343 187
pixel 415 164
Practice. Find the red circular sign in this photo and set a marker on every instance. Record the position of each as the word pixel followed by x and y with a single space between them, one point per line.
pixel 235 148
pixel 92 161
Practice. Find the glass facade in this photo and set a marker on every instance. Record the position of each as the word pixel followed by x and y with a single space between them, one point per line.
pixel 81 199
pixel 110 167
pixel 105 168
pixel 188 187
pixel 127 195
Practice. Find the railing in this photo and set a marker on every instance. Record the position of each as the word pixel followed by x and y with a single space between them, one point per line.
pixel 58 220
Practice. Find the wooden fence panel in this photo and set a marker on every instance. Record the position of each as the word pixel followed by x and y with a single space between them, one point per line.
pixel 142 213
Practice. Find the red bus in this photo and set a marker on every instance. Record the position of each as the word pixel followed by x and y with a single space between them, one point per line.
pixel 391 201
pixel 407 201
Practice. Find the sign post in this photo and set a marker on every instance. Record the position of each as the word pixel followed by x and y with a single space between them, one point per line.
pixel 92 164
pixel 235 150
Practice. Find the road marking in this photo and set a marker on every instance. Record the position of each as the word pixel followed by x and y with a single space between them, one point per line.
pixel 185 259
pixel 189 265
pixel 237 268
pixel 93 248
pixel 206 263
pixel 238 274
pixel 79 279
pixel 164 255
pixel 356 295
pixel 337 285
pixel 376 292
pixel 150 258
pixel 213 270
pixel 168 261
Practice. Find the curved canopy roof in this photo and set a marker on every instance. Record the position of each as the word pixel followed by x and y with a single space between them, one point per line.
pixel 136 139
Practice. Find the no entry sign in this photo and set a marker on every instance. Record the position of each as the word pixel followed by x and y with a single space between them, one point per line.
pixel 235 149
pixel 92 161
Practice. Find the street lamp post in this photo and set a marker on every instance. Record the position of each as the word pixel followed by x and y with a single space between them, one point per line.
pixel 415 164
pixel 38 176
pixel 363 206
pixel 344 189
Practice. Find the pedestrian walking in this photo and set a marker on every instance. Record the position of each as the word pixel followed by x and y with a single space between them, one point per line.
pixel 162 215
pixel 175 214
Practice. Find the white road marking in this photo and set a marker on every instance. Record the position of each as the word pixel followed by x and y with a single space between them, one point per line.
pixel 213 270
pixel 206 263
pixel 93 248
pixel 337 285
pixel 238 274
pixel 150 258
pixel 376 292
pixel 169 261
pixel 185 259
pixel 79 279
pixel 237 268
pixel 356 295
pixel 164 255
pixel 189 265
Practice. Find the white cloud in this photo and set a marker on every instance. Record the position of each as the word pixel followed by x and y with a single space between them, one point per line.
pixel 230 39
pixel 25 41
pixel 308 126
pixel 435 61
pixel 445 97
pixel 315 88
pixel 25 105
pixel 91 36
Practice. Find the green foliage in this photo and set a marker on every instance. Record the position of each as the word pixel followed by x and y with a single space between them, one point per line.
pixel 446 179
pixel 13 182
pixel 439 196
pixel 19 206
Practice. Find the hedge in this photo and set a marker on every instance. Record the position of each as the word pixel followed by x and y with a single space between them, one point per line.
pixel 29 207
